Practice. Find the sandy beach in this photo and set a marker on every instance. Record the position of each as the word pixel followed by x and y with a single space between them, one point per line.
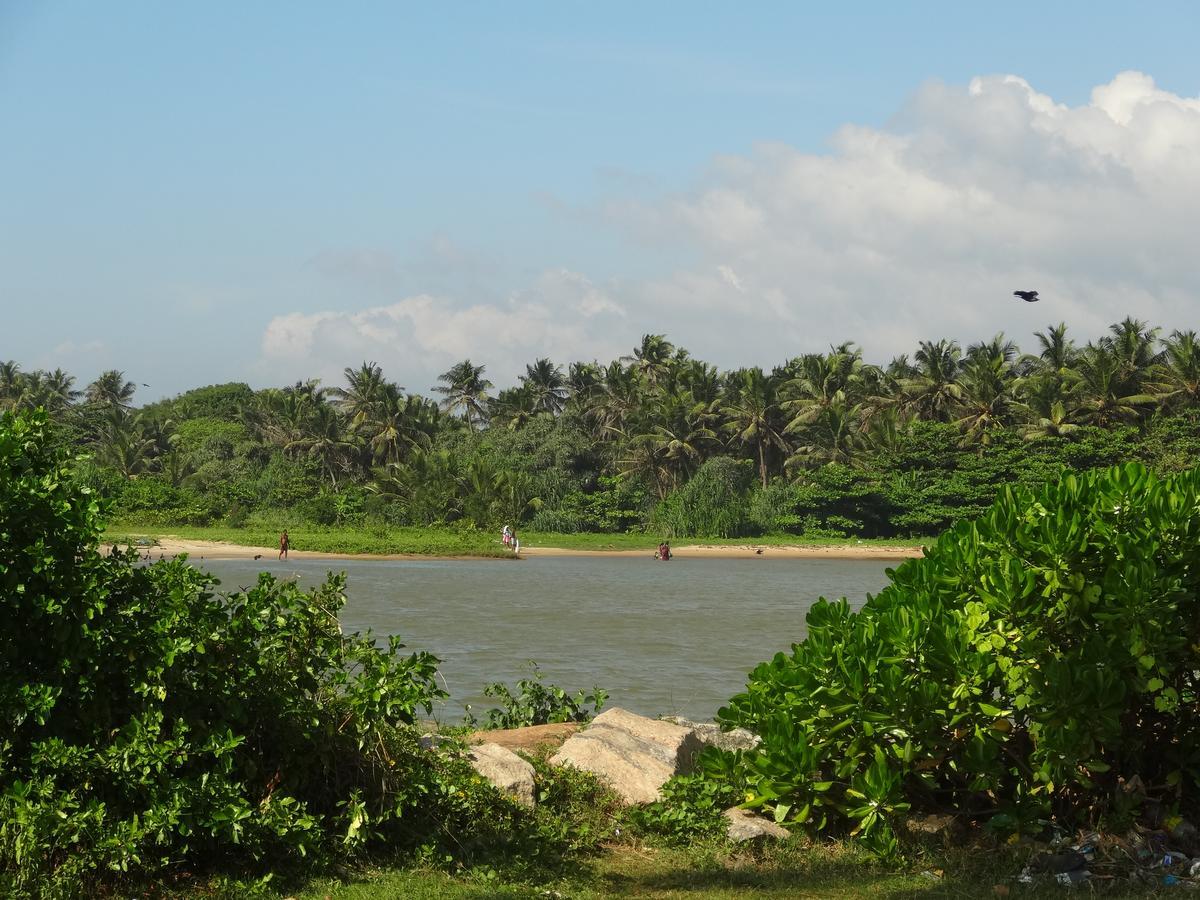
pixel 168 546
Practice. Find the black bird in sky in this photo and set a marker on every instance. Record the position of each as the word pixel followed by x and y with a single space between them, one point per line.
pixel 1027 296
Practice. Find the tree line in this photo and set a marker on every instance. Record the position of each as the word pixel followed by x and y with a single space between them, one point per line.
pixel 823 443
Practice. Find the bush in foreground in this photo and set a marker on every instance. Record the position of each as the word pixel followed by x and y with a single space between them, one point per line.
pixel 1034 662
pixel 148 722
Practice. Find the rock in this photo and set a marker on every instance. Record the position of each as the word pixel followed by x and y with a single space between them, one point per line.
pixel 1185 836
pixel 948 828
pixel 632 754
pixel 1060 863
pixel 710 733
pixel 746 826
pixel 529 739
pixel 504 769
pixel 430 740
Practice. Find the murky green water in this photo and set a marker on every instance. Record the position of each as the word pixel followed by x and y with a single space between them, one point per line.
pixel 662 638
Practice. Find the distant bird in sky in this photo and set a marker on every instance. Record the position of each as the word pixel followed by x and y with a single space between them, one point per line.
pixel 1027 296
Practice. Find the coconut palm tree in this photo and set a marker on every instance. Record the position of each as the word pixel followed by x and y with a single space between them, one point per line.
pixel 934 391
pixel 1108 392
pixel 111 389
pixel 754 415
pixel 364 388
pixel 1058 352
pixel 831 436
pixel 465 389
pixel 986 401
pixel 546 385
pixel 652 358
pixel 1176 379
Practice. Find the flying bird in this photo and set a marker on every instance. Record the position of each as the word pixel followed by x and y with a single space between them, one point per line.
pixel 1027 296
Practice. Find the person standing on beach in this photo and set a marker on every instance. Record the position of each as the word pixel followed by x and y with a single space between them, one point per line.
pixel 283 545
pixel 516 542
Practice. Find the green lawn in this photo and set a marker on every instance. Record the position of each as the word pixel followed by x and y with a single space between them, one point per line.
pixel 796 870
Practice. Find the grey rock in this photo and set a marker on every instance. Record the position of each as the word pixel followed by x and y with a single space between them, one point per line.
pixel 710 734
pixel 746 826
pixel 505 770
pixel 946 827
pixel 634 755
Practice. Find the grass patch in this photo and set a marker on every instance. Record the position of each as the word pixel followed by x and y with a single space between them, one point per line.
pixel 797 869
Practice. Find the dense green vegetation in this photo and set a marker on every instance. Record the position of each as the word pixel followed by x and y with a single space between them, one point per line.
pixel 155 724
pixel 1040 663
pixel 823 445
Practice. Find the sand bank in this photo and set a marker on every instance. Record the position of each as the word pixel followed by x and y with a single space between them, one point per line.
pixel 168 546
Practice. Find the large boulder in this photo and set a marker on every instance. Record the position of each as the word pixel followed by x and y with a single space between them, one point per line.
pixel 504 769
pixel 632 754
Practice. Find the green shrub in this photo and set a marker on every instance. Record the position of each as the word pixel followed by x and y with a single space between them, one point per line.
pixel 535 703
pixel 1034 659
pixel 715 503
pixel 690 807
pixel 154 722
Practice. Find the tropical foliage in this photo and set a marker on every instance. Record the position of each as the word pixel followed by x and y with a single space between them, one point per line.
pixel 1037 663
pixel 911 446
pixel 156 722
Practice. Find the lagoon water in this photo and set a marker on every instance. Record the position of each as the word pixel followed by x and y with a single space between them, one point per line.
pixel 675 638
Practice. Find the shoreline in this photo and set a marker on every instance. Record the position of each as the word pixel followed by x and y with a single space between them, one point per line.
pixel 170 546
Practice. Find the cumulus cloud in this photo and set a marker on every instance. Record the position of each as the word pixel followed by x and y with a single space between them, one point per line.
pixel 923 228
pixel 562 315
pixel 918 229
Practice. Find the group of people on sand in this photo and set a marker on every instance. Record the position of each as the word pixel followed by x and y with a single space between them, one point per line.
pixel 663 552
pixel 508 537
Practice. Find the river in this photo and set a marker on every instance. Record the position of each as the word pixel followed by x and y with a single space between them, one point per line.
pixel 674 638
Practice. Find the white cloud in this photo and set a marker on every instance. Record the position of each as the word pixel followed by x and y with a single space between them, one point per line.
pixel 924 228
pixel 561 316
pixel 917 230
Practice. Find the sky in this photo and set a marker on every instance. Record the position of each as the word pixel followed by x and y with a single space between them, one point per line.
pixel 196 193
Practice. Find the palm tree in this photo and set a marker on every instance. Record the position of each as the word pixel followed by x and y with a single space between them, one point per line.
pixel 123 443
pixel 513 407
pixel 465 389
pixel 1108 393
pixel 11 384
pixel 1177 376
pixel 753 412
pixel 1051 421
pixel 832 436
pixel 364 387
pixel 679 432
pixel 1132 343
pixel 652 358
pixel 615 401
pixel 111 389
pixel 546 385
pixel 934 391
pixel 823 380
pixel 1058 351
pixel 986 401
pixel 324 438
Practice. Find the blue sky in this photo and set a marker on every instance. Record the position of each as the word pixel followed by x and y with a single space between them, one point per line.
pixel 209 192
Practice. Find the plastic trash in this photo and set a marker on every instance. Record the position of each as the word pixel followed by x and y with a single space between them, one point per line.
pixel 1075 876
